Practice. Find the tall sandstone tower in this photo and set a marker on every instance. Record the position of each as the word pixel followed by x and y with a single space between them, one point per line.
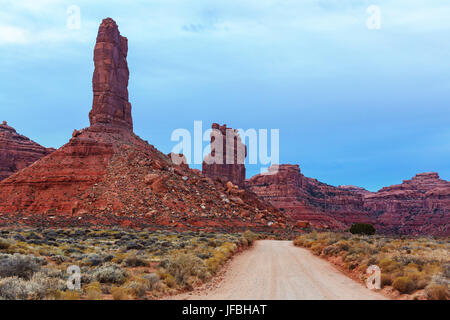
pixel 110 79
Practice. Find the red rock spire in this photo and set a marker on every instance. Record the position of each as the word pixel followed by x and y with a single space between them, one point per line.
pixel 230 166
pixel 110 106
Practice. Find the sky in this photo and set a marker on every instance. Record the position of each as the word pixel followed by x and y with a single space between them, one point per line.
pixel 359 90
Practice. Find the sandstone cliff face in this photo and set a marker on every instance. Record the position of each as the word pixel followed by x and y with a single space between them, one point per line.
pixel 17 151
pixel 226 160
pixel 110 81
pixel 106 175
pixel 303 198
pixel 417 206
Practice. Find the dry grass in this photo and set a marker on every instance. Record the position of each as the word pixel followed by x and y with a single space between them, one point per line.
pixel 409 265
pixel 132 264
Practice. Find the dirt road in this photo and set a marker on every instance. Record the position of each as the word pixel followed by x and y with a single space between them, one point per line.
pixel 278 270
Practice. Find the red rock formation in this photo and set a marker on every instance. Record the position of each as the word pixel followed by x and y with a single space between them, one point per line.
pixel 226 160
pixel 17 151
pixel 106 175
pixel 303 198
pixel 110 80
pixel 355 189
pixel 417 206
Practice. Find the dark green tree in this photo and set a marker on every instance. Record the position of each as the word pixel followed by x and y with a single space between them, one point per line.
pixel 362 228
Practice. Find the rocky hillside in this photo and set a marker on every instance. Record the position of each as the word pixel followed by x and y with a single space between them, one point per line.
pixel 106 175
pixel 306 199
pixel 17 151
pixel 417 206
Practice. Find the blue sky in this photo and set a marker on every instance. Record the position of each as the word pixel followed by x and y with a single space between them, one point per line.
pixel 353 105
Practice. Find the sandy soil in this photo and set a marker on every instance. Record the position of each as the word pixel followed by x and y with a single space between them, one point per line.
pixel 278 270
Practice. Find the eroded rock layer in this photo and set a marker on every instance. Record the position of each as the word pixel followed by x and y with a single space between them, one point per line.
pixel 417 206
pixel 307 199
pixel 17 151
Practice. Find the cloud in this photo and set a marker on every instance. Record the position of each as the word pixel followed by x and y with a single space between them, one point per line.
pixel 268 18
pixel 13 35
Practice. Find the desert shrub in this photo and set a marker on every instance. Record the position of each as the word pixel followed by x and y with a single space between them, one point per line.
pixel 69 295
pixel 299 242
pixel 4 244
pixel 335 248
pixel 139 287
pixel 386 279
pixel 440 279
pixel 317 248
pixel 119 257
pixel 436 291
pixel 306 240
pixel 403 284
pixel 388 265
pixel 213 264
pixel 119 293
pixel 58 258
pixel 226 249
pixel 446 270
pixel 250 237
pixel 184 266
pixel 406 259
pixel 362 228
pixel 420 279
pixel 244 242
pixel 153 281
pixel 110 273
pixel 94 259
pixel 170 281
pixel 44 285
pixel 94 291
pixel 23 266
pixel 13 288
pixel 134 261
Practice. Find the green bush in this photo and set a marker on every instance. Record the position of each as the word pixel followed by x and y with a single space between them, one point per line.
pixel 250 237
pixel 362 228
pixel 183 266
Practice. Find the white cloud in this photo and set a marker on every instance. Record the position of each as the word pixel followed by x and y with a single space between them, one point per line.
pixel 13 35
pixel 27 21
